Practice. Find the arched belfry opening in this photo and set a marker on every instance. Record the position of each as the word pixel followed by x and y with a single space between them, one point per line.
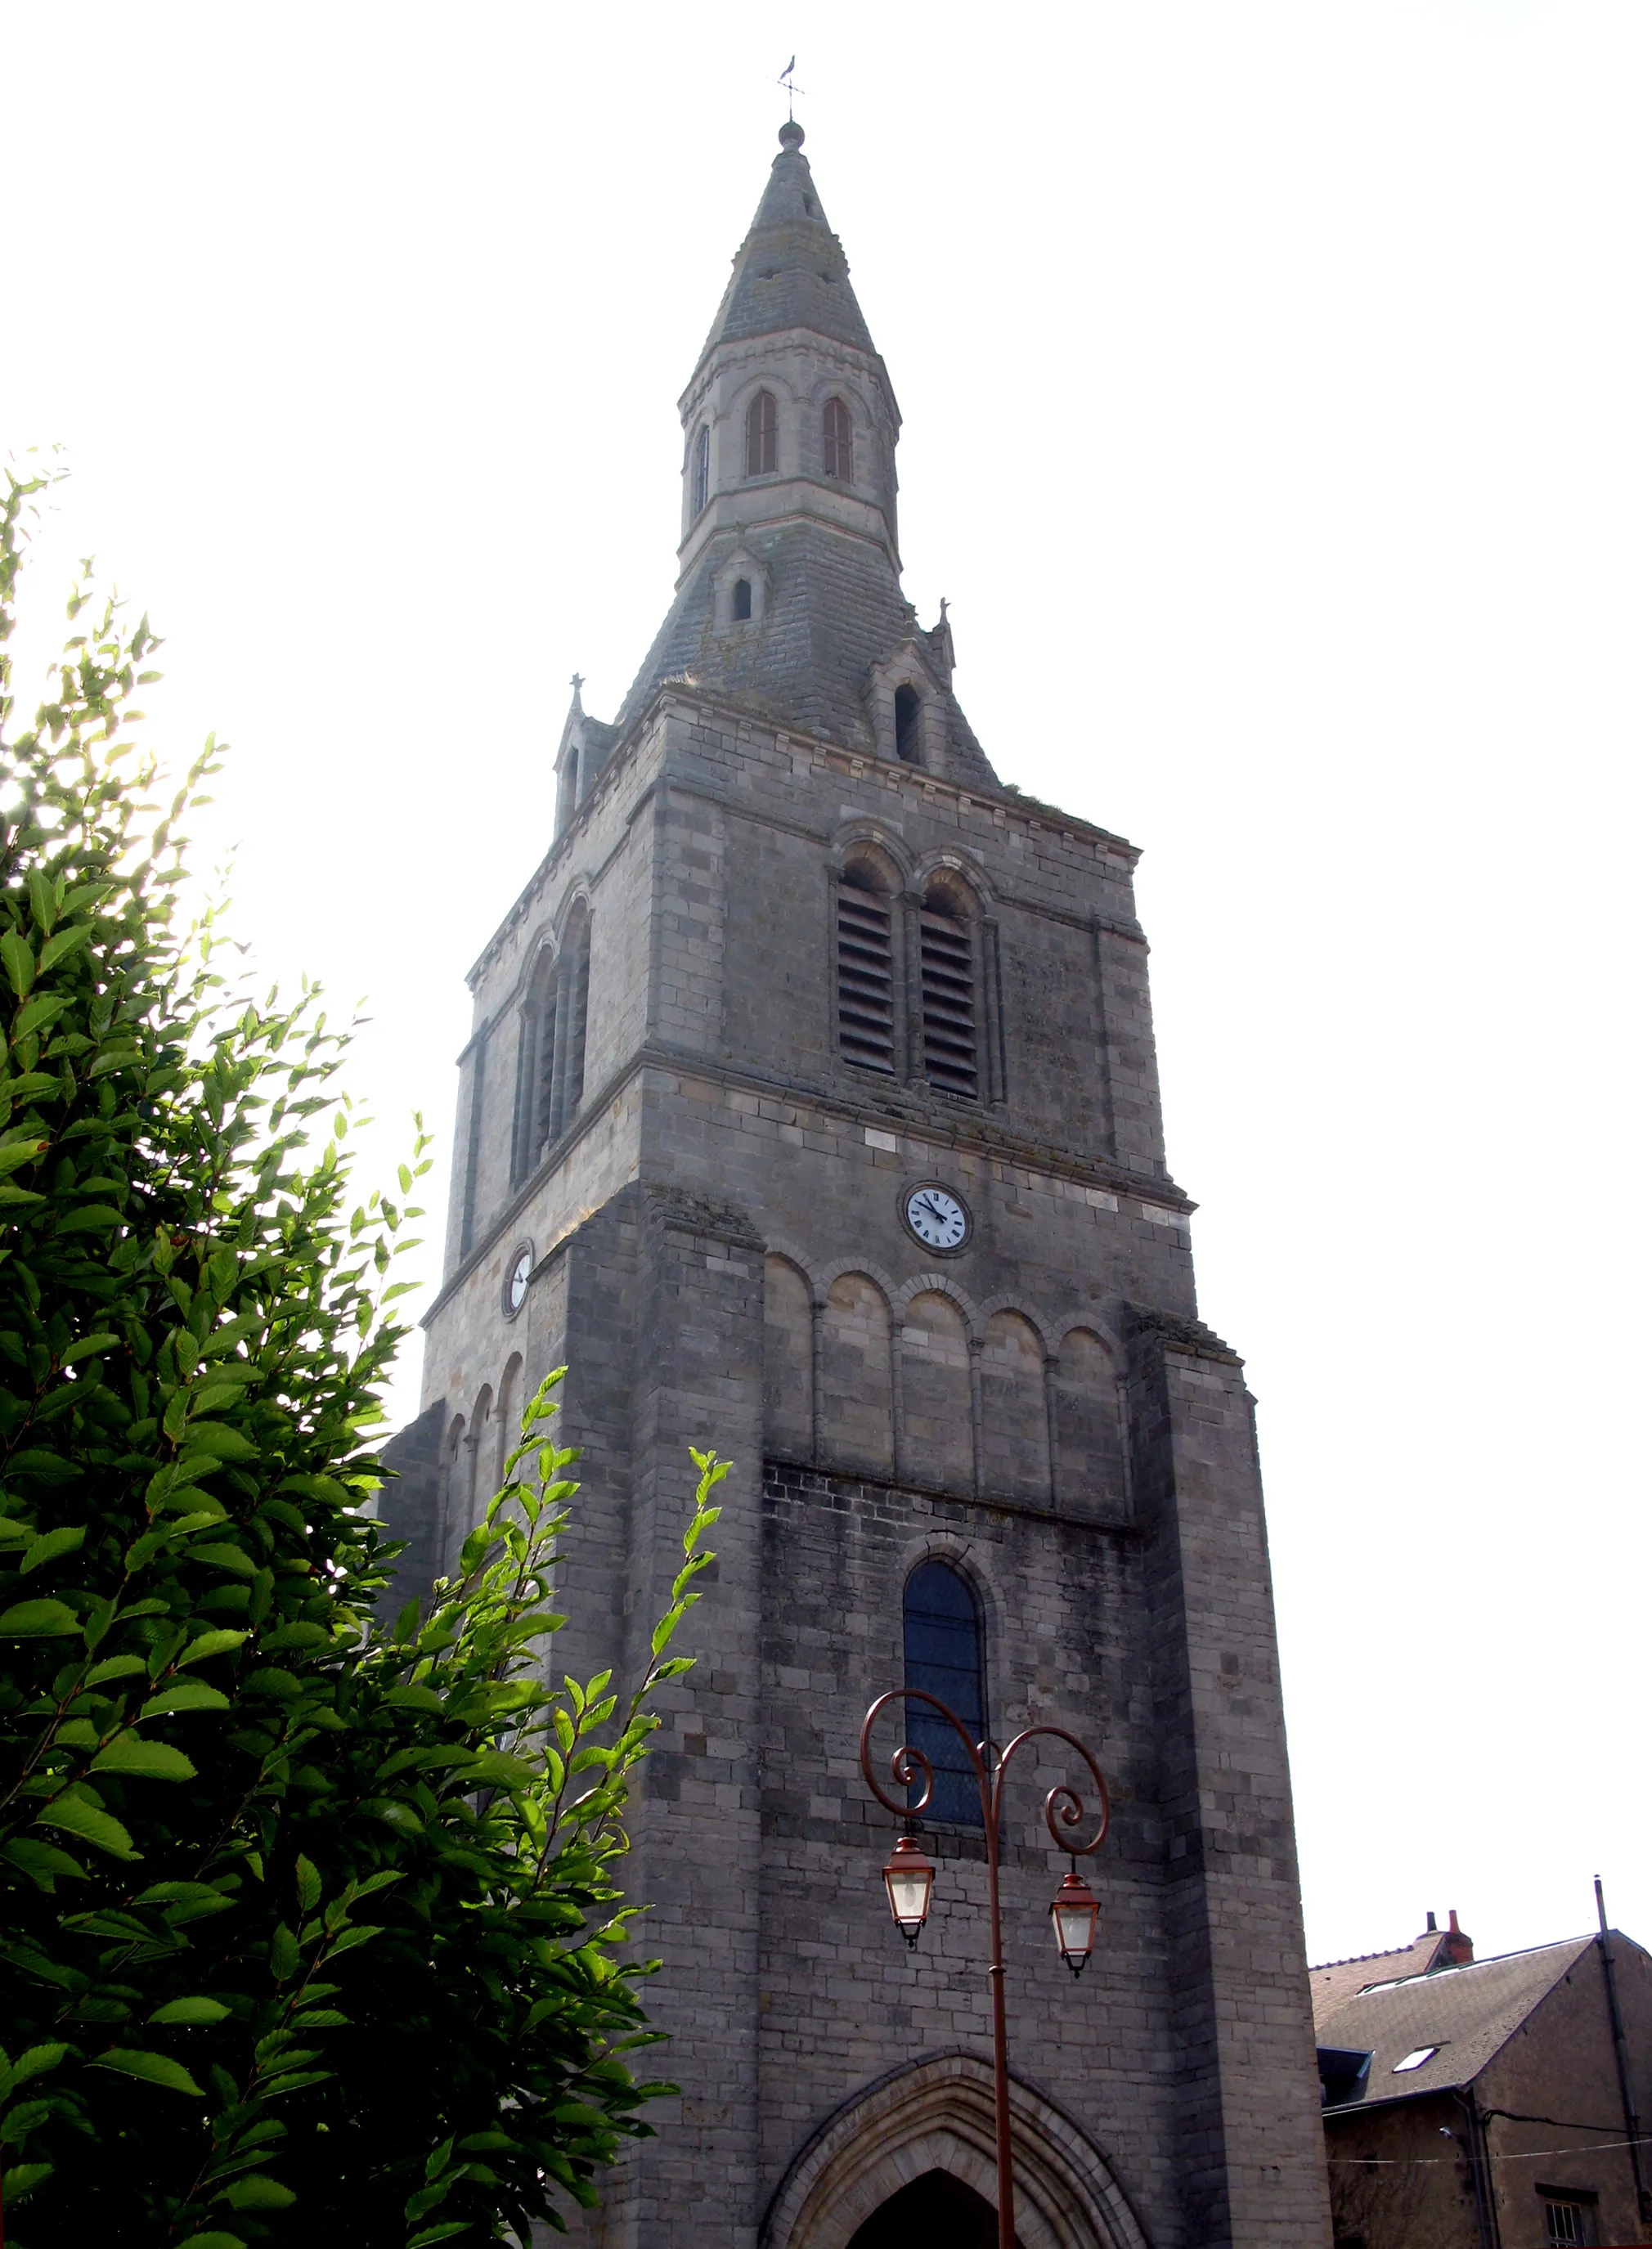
pixel 935 2212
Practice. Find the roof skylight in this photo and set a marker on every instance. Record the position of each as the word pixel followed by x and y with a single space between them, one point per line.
pixel 1415 2059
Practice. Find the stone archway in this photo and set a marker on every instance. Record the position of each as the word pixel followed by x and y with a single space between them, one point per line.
pixel 937 2116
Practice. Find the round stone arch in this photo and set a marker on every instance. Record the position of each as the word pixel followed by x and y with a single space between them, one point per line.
pixel 937 2114
pixel 970 1558
pixel 578 894
pixel 991 1305
pixel 875 837
pixel 1069 1322
pixel 839 1266
pixel 936 1284
pixel 949 861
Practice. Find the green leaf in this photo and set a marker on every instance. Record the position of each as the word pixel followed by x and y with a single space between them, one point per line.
pixel 183 1695
pixel 284 1954
pixel 190 2010
pixel 114 1667
pixel 213 2241
pixel 209 1643
pixel 12 1158
pixel 54 1543
pixel 222 1441
pixel 444 2231
pixel 153 2068
pixel 91 1218
pixel 34 2062
pixel 88 1347
pixel 224 1557
pixel 136 1756
pixel 17 955
pixel 66 942
pixel 258 2190
pixel 37 1620
pixel 47 1467
pixel 42 1862
pixel 21 2178
pixel 309 1884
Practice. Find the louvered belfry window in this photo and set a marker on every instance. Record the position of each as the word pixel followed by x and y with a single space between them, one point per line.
pixel 865 975
pixel 762 436
pixel 947 948
pixel 838 446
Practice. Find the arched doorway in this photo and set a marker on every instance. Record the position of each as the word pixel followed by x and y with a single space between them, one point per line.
pixel 927 2131
pixel 936 2211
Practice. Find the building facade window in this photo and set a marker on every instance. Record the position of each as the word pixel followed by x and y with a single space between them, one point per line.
pixel 702 480
pixel 948 979
pixel 865 968
pixel 1567 2221
pixel 550 1069
pixel 762 436
pixel 742 600
pixel 838 442
pixel 942 1624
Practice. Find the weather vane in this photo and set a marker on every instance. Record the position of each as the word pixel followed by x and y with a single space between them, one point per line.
pixel 792 92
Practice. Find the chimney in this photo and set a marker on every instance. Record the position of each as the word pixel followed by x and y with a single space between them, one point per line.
pixel 1432 1927
pixel 1458 1948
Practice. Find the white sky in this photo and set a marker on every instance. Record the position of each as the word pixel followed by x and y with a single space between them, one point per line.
pixel 1276 387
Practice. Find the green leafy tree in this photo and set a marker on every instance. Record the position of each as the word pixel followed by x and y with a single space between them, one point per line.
pixel 309 1925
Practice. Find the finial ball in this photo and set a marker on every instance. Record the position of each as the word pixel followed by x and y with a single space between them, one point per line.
pixel 791 134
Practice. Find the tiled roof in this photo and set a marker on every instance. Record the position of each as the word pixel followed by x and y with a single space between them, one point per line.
pixel 835 610
pixel 1467 2013
pixel 1336 1981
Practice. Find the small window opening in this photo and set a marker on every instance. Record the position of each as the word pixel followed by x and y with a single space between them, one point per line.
pixel 808 207
pixel 742 599
pixel 1415 2059
pixel 906 710
pixel 702 468
pixel 762 436
pixel 865 973
pixel 837 446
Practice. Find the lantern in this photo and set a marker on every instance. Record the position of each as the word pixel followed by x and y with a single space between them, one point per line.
pixel 1073 1916
pixel 909 1878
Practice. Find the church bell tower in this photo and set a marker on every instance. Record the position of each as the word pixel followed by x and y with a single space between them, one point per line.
pixel 810 1112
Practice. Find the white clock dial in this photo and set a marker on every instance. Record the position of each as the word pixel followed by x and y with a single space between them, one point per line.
pixel 519 1271
pixel 937 1218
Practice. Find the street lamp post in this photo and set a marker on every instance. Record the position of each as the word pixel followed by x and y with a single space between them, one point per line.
pixel 909 1878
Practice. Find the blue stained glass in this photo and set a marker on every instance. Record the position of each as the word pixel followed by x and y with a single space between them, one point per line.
pixel 943 1653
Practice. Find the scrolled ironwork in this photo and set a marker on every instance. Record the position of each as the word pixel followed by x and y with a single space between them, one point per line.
pixel 908 1760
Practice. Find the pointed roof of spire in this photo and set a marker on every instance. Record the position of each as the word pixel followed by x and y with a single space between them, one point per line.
pixel 790 272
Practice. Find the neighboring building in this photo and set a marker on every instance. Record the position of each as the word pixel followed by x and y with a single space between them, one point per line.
pixel 1486 2104
pixel 811 1113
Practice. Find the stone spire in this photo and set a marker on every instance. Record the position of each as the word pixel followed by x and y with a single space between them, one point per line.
pixel 788 594
pixel 790 272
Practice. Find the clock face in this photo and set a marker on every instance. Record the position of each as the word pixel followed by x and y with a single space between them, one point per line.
pixel 937 1217
pixel 516 1288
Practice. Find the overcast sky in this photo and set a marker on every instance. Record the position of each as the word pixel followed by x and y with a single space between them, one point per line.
pixel 1277 385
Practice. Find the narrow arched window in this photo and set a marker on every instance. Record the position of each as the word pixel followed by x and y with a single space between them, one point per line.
pixel 762 436
pixel 946 941
pixel 907 706
pixel 534 1068
pixel 865 968
pixel 577 1004
pixel 943 1650
pixel 702 487
pixel 837 443
pixel 742 600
